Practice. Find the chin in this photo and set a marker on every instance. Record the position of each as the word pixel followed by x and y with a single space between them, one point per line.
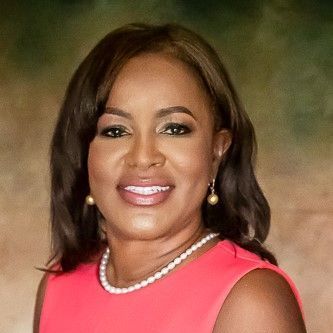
pixel 144 225
pixel 141 227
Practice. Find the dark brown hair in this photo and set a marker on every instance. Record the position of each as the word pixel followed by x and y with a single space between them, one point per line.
pixel 242 215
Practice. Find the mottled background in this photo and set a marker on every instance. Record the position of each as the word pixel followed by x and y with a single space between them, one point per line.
pixel 280 56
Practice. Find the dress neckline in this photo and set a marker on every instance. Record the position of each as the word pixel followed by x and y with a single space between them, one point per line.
pixel 172 275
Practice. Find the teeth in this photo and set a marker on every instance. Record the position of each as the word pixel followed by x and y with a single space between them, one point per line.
pixel 147 190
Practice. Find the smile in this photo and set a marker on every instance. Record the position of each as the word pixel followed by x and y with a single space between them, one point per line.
pixel 145 195
pixel 146 190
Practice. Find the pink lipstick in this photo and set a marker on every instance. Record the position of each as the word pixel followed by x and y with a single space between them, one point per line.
pixel 147 199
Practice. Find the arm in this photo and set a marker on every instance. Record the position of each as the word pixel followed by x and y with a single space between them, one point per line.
pixel 262 301
pixel 39 303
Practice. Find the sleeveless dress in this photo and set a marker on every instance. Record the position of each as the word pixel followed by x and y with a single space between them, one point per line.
pixel 186 300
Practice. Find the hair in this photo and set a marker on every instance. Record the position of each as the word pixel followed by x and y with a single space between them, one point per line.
pixel 243 214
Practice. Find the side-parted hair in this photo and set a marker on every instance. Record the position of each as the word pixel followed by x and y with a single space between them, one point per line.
pixel 242 215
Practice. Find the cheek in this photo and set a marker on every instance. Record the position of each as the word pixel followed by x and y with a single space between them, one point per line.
pixel 101 167
pixel 194 161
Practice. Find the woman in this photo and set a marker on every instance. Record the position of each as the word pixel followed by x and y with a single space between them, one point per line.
pixel 150 127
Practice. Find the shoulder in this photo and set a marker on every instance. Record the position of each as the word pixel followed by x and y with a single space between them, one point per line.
pixel 261 301
pixel 55 285
pixel 242 262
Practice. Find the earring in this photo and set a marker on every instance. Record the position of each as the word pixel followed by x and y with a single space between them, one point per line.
pixel 90 200
pixel 212 198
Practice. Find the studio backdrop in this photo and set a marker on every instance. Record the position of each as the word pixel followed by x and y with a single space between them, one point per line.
pixel 280 57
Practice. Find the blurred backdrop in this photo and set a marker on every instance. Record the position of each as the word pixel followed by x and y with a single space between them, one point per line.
pixel 280 56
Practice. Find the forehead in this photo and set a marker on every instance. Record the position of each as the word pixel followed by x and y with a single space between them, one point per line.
pixel 156 80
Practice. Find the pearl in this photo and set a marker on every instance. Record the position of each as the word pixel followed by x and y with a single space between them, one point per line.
pixel 188 252
pixel 213 199
pixel 194 247
pixel 137 286
pixel 183 256
pixel 171 266
pixel 90 200
pixel 151 279
pixel 164 270
pixel 177 261
pixel 144 283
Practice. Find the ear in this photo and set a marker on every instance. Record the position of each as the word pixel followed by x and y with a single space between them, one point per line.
pixel 221 143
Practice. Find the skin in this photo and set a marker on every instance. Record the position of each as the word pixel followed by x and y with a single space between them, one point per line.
pixel 261 302
pixel 149 237
pixel 144 239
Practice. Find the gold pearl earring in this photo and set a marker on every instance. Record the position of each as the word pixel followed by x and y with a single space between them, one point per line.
pixel 212 198
pixel 90 200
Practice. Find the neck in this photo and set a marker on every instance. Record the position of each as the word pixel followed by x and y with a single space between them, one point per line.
pixel 133 261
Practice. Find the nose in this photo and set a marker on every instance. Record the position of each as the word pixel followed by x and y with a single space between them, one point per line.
pixel 144 153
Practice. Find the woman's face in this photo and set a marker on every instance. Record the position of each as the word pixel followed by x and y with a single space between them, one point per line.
pixel 156 135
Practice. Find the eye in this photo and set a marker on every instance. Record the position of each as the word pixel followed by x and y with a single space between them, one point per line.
pixel 114 131
pixel 176 129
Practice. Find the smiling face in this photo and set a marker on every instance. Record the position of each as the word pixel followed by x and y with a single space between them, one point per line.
pixel 156 135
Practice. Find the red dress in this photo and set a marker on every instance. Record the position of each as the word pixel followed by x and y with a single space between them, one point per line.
pixel 186 300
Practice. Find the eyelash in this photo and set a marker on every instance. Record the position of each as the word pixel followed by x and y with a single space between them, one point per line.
pixel 185 130
pixel 107 130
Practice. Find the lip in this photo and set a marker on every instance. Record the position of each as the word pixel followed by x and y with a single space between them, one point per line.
pixel 138 199
pixel 144 182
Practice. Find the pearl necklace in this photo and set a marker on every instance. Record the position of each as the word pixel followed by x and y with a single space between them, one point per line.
pixel 165 270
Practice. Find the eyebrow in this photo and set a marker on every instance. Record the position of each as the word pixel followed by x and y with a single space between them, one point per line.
pixel 159 114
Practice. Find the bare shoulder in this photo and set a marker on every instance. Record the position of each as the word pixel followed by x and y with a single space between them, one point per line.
pixel 39 302
pixel 262 301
